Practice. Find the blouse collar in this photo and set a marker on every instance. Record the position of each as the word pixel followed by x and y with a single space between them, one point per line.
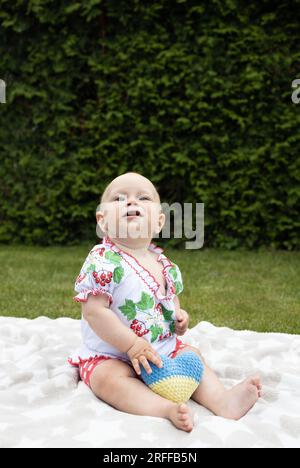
pixel 145 274
pixel 152 246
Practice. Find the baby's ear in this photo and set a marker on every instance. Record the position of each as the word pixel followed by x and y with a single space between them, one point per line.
pixel 101 230
pixel 99 215
pixel 161 222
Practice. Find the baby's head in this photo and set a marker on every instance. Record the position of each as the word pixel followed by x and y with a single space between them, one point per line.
pixel 130 193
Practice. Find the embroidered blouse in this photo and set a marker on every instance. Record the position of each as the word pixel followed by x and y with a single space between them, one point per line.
pixel 134 296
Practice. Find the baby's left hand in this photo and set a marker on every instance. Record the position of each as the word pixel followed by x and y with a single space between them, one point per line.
pixel 181 322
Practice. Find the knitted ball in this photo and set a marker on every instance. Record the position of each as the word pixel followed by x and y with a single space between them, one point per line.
pixel 177 379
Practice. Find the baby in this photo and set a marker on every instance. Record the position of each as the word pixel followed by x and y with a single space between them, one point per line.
pixel 131 313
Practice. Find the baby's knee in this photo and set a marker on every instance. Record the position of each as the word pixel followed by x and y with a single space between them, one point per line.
pixel 196 350
pixel 107 373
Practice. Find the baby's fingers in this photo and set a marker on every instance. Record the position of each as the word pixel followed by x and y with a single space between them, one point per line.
pixel 180 327
pixel 136 366
pixel 155 358
pixel 145 364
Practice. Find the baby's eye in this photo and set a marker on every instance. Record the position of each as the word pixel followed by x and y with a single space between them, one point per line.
pixel 145 197
pixel 119 198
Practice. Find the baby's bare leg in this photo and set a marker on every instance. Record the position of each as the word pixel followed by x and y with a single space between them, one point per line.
pixel 230 404
pixel 116 383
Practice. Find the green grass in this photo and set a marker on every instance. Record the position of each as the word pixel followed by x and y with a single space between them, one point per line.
pixel 238 289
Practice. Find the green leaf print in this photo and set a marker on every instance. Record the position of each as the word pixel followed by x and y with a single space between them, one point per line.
pixel 155 332
pixel 172 327
pixel 178 287
pixel 146 302
pixel 113 257
pixel 128 309
pixel 166 313
pixel 91 267
pixel 173 272
pixel 118 274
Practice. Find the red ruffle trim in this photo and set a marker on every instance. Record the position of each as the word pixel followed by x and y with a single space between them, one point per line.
pixel 83 295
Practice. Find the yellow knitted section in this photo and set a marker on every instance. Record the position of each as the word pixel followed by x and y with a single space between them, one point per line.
pixel 178 388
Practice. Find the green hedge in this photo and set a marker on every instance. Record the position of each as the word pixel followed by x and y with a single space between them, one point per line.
pixel 194 95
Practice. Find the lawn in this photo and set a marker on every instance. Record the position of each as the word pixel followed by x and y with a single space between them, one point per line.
pixel 254 290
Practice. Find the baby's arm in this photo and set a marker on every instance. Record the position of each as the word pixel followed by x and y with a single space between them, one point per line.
pixel 106 324
pixel 109 328
pixel 177 305
pixel 182 318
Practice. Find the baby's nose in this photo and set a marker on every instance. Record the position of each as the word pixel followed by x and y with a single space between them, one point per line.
pixel 132 199
pixel 133 202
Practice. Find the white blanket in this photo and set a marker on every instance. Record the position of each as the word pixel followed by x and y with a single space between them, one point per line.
pixel 42 404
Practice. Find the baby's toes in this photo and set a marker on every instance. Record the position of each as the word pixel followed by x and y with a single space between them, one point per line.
pixel 255 380
pixel 183 412
pixel 188 426
pixel 183 408
pixel 183 417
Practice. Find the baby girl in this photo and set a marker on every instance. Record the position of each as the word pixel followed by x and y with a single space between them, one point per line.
pixel 131 313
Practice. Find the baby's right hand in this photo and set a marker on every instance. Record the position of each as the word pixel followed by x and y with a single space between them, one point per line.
pixel 140 352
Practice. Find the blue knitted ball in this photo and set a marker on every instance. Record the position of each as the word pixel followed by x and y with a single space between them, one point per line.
pixel 177 379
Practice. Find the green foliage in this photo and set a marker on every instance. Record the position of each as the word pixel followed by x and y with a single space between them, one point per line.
pixel 155 332
pixel 167 313
pixel 146 302
pixel 128 309
pixel 113 257
pixel 194 95
pixel 118 274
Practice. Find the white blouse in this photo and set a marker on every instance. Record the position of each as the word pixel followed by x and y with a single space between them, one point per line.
pixel 134 296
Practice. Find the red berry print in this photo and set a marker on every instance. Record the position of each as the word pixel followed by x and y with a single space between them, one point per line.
pixel 104 277
pixel 139 328
pixel 100 251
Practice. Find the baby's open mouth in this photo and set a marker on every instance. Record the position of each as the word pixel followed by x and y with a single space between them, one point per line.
pixel 133 212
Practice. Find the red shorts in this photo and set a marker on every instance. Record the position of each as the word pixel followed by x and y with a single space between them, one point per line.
pixel 87 366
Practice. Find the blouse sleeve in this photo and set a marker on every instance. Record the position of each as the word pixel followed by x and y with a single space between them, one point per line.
pixel 99 274
pixel 177 278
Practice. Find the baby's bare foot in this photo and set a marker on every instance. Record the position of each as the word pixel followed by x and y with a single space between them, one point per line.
pixel 241 398
pixel 182 417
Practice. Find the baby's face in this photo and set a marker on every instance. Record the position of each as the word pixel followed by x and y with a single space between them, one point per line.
pixel 131 208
